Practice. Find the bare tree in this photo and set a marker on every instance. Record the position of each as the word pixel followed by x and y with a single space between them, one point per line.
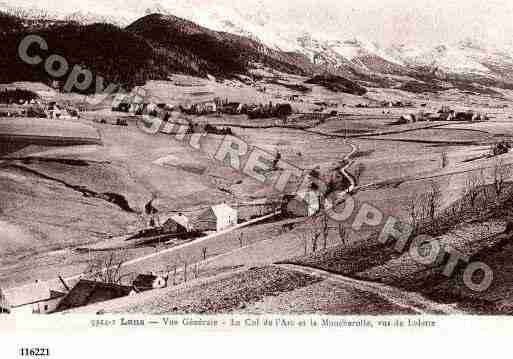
pixel 315 240
pixel 415 213
pixel 305 235
pixel 196 271
pixel 342 233
pixel 473 186
pixel 241 237
pixel 106 269
pixel 325 230
pixel 500 174
pixel 445 159
pixel 171 269
pixel 358 171
pixel 433 200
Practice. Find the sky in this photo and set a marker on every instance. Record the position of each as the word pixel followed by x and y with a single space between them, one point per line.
pixel 419 22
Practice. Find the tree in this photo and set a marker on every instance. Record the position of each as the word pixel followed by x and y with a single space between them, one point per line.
pixel 445 159
pixel 342 234
pixel 196 271
pixel 500 173
pixel 106 269
pixel 415 213
pixel 315 239
pixel 474 186
pixel 325 230
pixel 433 200
pixel 358 171
pixel 276 160
pixel 172 269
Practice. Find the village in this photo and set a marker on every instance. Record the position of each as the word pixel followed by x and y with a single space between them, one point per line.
pixel 40 298
pixel 180 227
pixel 159 232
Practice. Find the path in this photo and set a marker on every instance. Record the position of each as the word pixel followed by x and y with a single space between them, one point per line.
pixel 405 299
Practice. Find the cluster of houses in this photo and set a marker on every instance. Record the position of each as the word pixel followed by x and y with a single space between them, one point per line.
pixel 216 106
pixel 18 97
pixel 222 216
pixel 399 104
pixel 212 219
pixel 25 103
pixel 444 114
pixel 39 298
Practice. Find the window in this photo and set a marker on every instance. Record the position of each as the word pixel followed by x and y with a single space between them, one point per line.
pixel 46 307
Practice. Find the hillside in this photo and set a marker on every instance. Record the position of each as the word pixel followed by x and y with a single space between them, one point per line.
pixel 9 23
pixel 152 48
pixel 106 50
pixel 221 53
pixel 338 84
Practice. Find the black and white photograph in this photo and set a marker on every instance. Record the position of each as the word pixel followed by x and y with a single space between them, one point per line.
pixel 213 163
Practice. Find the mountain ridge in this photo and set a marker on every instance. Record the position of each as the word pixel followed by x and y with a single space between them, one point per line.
pixel 235 43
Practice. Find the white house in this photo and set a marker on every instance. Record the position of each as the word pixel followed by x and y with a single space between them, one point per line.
pixel 311 201
pixel 35 298
pixel 216 218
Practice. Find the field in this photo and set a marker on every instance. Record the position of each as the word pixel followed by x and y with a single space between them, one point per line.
pixel 55 199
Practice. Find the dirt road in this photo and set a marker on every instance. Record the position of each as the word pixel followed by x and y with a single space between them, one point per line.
pixel 408 300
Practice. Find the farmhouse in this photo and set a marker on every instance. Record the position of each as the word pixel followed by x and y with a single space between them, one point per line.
pixel 17 96
pixel 144 282
pixel 35 298
pixel 87 292
pixel 216 218
pixel 304 204
pixel 203 107
pixel 177 224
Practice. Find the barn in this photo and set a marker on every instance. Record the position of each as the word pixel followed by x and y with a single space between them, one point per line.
pixel 87 292
pixel 216 218
pixel 177 224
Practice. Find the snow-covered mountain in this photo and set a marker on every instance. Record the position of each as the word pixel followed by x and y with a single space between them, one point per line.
pixel 348 56
pixel 467 57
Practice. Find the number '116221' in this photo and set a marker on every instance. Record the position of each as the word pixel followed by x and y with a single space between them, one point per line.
pixel 34 352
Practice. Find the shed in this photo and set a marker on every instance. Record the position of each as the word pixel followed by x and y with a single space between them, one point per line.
pixel 177 224
pixel 87 292
pixel 144 282
pixel 216 218
pixel 35 298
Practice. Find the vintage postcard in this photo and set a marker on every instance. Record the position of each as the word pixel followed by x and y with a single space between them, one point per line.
pixel 302 166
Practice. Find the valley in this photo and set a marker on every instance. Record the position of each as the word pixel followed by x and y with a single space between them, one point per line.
pixel 178 176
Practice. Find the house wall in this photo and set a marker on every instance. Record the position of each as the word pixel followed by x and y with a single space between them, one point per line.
pixel 206 221
pixel 43 307
pixel 226 221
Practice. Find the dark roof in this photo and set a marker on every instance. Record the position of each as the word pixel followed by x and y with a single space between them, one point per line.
pixel 144 281
pixel 87 292
pixel 56 294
